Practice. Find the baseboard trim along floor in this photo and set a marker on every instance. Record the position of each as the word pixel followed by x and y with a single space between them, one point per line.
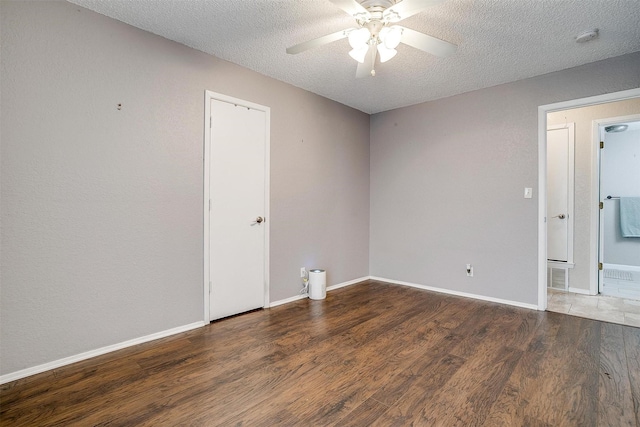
pixel 329 288
pixel 457 293
pixel 23 373
pixel 162 334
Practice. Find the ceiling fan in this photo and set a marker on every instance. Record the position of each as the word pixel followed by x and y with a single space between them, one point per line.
pixel 377 33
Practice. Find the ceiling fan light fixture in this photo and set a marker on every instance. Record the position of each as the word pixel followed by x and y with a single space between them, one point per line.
pixel 392 37
pixel 385 53
pixel 359 38
pixel 359 54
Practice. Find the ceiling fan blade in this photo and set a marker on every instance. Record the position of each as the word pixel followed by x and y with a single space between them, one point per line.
pixel 329 38
pixel 352 7
pixel 407 8
pixel 427 43
pixel 364 68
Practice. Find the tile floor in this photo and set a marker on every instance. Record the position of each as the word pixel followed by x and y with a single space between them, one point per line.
pixel 599 307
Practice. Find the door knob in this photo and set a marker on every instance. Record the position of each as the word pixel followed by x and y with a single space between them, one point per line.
pixel 258 220
pixel 561 216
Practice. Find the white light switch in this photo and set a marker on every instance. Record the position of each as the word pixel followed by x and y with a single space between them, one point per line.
pixel 528 192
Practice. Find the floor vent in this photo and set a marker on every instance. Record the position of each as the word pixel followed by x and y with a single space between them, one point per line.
pixel 618 275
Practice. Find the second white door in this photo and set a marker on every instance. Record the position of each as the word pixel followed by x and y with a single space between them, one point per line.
pixel 237 208
pixel 559 192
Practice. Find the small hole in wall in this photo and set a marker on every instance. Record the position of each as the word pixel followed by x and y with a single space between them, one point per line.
pixel 119 106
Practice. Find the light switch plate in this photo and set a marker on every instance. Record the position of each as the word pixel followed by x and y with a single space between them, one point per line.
pixel 528 192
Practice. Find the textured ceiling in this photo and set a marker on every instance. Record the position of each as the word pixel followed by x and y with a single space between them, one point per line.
pixel 498 41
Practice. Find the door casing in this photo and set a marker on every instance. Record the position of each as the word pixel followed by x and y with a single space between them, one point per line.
pixel 543 110
pixel 209 96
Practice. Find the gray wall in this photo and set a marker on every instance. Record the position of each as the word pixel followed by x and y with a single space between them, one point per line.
pixel 447 182
pixel 583 117
pixel 101 212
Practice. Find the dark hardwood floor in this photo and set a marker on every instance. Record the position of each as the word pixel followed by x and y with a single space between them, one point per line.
pixel 370 354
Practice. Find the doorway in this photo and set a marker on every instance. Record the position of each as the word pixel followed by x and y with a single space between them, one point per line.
pixel 236 206
pixel 619 243
pixel 586 244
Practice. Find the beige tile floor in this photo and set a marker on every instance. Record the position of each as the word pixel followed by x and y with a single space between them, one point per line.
pixel 598 307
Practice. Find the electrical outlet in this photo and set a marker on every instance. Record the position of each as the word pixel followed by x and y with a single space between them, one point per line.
pixel 303 272
pixel 469 270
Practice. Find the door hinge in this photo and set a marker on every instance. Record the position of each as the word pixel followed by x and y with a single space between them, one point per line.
pixel 210 286
pixel 601 144
pixel 599 266
pixel 210 122
pixel 601 205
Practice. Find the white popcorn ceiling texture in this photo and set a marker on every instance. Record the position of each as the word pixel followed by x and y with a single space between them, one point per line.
pixel 499 41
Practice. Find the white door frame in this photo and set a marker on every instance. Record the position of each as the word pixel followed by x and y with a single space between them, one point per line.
pixel 597 132
pixel 210 96
pixel 542 181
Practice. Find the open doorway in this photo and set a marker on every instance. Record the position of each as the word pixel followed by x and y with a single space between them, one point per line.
pixel 580 278
pixel 619 225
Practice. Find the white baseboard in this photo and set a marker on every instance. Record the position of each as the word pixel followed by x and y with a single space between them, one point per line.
pixel 349 283
pixel 329 288
pixel 460 294
pixel 635 268
pixel 579 291
pixel 287 300
pixel 97 352
pixel 103 350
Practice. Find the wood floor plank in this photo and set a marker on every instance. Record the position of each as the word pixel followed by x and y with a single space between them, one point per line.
pixel 566 383
pixel 632 352
pixel 364 415
pixel 615 403
pixel 370 354
pixel 521 388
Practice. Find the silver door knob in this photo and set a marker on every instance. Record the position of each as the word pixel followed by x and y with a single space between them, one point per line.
pixel 561 216
pixel 258 220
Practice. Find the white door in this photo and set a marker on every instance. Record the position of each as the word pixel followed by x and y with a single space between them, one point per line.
pixel 237 184
pixel 559 192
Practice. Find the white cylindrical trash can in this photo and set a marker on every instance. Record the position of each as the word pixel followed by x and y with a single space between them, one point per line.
pixel 317 284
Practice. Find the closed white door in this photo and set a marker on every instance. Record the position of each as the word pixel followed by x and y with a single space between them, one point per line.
pixel 559 191
pixel 237 208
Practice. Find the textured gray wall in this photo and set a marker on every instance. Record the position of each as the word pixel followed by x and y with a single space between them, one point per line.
pixel 447 182
pixel 101 212
pixel 583 117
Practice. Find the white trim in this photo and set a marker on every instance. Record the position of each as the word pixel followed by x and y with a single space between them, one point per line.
pixel 560 264
pixel 288 300
pixel 205 200
pixel 348 283
pixel 209 96
pixel 97 352
pixel 579 291
pixel 597 220
pixel 460 294
pixel 543 110
pixel 329 288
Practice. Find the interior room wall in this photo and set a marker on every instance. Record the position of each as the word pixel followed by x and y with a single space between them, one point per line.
pixel 579 276
pixel 448 177
pixel 102 226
